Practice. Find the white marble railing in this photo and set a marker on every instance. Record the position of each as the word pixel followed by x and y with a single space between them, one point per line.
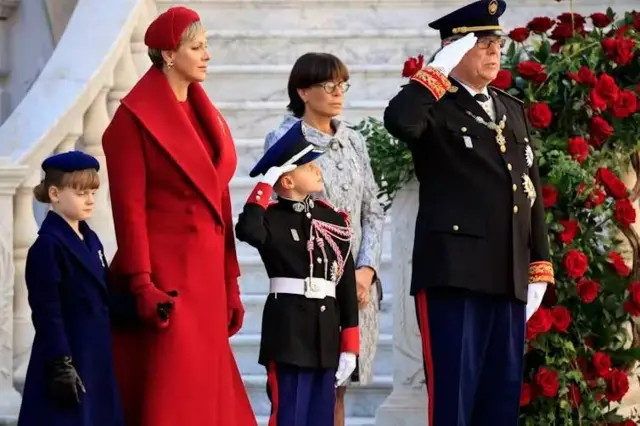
pixel 98 59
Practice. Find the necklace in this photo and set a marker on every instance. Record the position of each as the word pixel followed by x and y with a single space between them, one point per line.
pixel 498 128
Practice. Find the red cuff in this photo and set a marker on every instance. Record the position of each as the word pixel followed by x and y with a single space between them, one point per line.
pixel 139 282
pixel 261 195
pixel 541 272
pixel 350 340
pixel 434 80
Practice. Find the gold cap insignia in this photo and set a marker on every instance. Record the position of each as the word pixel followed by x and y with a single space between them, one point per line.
pixel 493 7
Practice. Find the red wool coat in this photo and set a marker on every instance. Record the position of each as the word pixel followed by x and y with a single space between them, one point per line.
pixel 172 214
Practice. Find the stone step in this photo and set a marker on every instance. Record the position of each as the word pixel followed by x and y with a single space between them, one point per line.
pixel 361 401
pixel 353 46
pixel 254 305
pixel 246 348
pixel 234 83
pixel 349 421
pixel 244 249
pixel 253 120
pixel 254 280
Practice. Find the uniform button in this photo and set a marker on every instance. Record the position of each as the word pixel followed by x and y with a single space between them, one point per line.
pixel 309 215
pixel 509 166
pixel 340 165
pixel 334 146
pixel 218 229
pixel 345 186
pixel 323 308
pixel 463 130
pixel 259 192
pixel 319 260
pixel 515 209
pixel 190 209
pixel 526 140
pixel 514 187
pixel 192 228
pixel 503 149
pixel 456 227
pixel 257 197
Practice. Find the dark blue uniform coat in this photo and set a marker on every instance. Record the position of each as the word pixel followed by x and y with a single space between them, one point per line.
pixel 66 279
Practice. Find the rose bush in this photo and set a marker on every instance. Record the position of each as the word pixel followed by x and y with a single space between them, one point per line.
pixel 579 77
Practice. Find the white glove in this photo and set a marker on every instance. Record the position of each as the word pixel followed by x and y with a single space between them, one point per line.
pixel 535 293
pixel 451 55
pixel 274 173
pixel 346 365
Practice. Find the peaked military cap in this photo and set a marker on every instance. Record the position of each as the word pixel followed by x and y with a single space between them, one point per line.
pixel 70 162
pixel 292 148
pixel 477 17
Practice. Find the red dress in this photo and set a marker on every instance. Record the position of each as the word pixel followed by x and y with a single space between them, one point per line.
pixel 169 185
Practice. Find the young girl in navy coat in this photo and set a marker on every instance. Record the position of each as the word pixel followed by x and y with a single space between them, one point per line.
pixel 70 380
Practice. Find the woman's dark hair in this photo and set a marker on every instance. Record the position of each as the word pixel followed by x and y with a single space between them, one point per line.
pixel 310 69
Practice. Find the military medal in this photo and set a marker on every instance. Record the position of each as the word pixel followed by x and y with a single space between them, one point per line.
pixel 101 257
pixel 529 188
pixel 294 235
pixel 498 128
pixel 528 155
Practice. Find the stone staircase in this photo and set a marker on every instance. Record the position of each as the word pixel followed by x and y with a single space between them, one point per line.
pixel 254 44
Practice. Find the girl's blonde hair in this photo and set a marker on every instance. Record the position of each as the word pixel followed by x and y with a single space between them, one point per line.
pixel 189 34
pixel 80 180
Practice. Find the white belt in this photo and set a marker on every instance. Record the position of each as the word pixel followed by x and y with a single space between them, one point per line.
pixel 311 288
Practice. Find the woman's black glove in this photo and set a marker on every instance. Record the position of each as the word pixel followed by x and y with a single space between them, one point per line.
pixel 63 383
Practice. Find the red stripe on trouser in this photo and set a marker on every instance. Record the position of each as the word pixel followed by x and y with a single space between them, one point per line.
pixel 272 384
pixel 423 320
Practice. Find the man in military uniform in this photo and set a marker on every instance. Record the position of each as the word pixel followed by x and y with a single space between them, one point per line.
pixel 480 257
pixel 310 336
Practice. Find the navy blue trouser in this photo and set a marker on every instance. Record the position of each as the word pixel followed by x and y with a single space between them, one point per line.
pixel 301 396
pixel 473 347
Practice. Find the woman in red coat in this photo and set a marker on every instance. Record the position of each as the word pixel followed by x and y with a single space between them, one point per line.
pixel 170 157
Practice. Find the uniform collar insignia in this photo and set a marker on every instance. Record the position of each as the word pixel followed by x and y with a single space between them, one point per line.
pixel 302 206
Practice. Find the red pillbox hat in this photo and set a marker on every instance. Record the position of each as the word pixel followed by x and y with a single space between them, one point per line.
pixel 165 31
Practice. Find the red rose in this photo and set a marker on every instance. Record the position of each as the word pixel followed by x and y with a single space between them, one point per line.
pixel 569 231
pixel 540 322
pixel 587 290
pixel 601 364
pixel 519 34
pixel 584 76
pixel 561 318
pixel 600 20
pixel 597 103
pixel 625 105
pixel 549 196
pixel 619 49
pixel 636 21
pixel 632 306
pixel 539 115
pixel 617 385
pixel 525 395
pixel 618 263
pixel 575 263
pixel 624 213
pixel 412 66
pixel 614 186
pixel 578 148
pixel 531 70
pixel 600 129
pixel 540 25
pixel 562 32
pixel 503 80
pixel 575 18
pixel 547 381
pixel 607 88
pixel 574 395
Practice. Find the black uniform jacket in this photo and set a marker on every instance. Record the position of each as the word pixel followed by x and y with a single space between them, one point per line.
pixel 476 228
pixel 297 330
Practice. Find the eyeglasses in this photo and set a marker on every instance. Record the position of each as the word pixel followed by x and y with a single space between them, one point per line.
pixel 330 87
pixel 486 42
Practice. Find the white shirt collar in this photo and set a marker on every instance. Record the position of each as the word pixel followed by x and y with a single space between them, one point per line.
pixel 472 91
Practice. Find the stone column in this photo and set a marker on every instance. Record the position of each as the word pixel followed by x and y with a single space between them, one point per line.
pixel 407 403
pixel 10 178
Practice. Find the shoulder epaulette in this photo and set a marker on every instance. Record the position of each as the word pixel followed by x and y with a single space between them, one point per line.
pixel 326 203
pixel 508 95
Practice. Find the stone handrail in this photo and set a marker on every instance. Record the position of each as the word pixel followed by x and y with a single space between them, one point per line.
pixel 98 59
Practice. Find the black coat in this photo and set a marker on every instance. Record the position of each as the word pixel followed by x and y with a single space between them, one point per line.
pixel 296 330
pixel 476 228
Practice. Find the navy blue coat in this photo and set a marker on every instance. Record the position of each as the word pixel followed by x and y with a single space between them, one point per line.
pixel 67 283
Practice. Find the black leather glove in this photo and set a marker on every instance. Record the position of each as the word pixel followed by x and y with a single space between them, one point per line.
pixel 63 383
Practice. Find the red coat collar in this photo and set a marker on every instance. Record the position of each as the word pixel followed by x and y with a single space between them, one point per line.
pixel 154 104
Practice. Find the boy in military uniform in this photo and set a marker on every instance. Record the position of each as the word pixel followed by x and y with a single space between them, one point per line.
pixel 481 256
pixel 310 335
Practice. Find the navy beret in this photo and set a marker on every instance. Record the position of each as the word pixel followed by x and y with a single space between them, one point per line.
pixel 479 16
pixel 291 148
pixel 70 162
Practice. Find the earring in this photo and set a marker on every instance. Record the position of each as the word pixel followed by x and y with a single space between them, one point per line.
pixel 169 65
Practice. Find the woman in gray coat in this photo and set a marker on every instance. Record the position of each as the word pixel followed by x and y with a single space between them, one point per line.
pixel 317 84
